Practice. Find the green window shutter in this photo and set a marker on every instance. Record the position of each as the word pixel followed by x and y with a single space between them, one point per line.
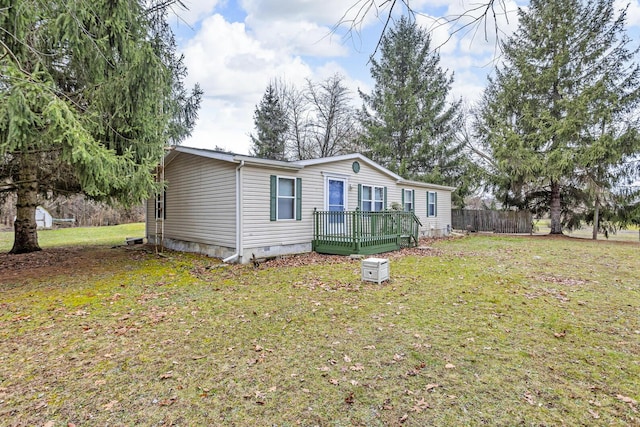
pixel 273 198
pixel 435 203
pixel 360 196
pixel 413 200
pixel 298 199
pixel 384 196
pixel 402 199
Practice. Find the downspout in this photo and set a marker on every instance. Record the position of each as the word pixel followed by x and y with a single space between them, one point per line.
pixel 238 254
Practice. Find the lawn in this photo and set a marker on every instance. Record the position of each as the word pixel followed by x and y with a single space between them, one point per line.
pixel 113 235
pixel 480 330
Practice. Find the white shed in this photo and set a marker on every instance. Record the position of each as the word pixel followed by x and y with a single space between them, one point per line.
pixel 43 218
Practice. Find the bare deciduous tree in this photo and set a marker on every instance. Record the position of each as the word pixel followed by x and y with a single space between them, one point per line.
pixel 333 126
pixel 321 118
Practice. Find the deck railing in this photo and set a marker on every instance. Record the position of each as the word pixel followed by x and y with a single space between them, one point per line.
pixel 361 232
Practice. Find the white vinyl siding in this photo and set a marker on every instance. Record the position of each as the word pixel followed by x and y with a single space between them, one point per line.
pixel 199 202
pixel 260 226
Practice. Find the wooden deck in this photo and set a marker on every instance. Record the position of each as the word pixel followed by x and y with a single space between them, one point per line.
pixel 367 233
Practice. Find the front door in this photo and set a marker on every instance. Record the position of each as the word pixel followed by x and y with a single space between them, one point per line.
pixel 336 204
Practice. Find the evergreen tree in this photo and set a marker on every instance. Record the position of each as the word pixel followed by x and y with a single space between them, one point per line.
pixel 88 99
pixel 556 115
pixel 408 124
pixel 271 127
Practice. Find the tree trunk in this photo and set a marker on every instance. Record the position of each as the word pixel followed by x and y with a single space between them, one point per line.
pixel 556 225
pixel 26 236
pixel 596 219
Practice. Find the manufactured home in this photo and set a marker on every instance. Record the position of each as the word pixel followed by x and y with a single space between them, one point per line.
pixel 239 207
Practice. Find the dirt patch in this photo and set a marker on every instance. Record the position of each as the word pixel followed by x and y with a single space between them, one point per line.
pixel 60 261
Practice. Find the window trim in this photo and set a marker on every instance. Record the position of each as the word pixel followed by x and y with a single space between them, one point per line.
pixel 274 187
pixel 435 204
pixel 373 200
pixel 293 198
pixel 412 199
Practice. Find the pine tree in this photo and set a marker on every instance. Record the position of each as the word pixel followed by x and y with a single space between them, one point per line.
pixel 556 115
pixel 87 102
pixel 271 127
pixel 408 123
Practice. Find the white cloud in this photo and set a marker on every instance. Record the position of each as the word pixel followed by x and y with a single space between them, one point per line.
pixel 196 10
pixel 229 63
pixel 297 37
pixel 633 11
pixel 224 124
pixel 325 12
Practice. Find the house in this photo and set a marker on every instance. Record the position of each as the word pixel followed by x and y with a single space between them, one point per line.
pixel 239 207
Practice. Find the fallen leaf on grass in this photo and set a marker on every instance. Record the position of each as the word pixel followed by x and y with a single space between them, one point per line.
pixel 349 399
pixel 529 398
pixel 560 334
pixel 431 386
pixel 166 376
pixel 627 399
pixel 404 418
pixel 109 406
pixel 334 381
pixel 347 358
pixel 594 414
pixel 420 405
pixel 450 366
pixel 167 402
pixel 357 367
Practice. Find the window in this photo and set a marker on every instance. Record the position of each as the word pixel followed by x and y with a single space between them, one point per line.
pixel 372 198
pixel 286 198
pixel 407 200
pixel 286 195
pixel 432 203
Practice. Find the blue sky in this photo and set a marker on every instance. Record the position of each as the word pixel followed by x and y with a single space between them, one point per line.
pixel 233 48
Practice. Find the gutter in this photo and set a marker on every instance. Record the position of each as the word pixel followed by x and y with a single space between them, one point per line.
pixel 239 228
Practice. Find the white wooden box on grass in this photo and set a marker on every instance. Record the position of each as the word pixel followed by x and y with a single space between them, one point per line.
pixel 375 270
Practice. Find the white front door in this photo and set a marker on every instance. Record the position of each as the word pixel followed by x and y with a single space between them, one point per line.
pixel 336 201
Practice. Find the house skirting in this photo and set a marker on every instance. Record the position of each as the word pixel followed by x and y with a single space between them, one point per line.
pixel 275 251
pixel 214 251
pixel 217 251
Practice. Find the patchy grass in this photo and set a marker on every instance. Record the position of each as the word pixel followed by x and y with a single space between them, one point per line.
pixel 630 234
pixel 75 236
pixel 480 330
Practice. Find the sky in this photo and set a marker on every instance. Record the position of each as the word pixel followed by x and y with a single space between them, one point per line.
pixel 234 48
